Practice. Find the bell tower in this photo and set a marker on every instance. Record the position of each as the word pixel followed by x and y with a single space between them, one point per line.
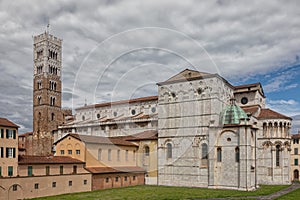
pixel 47 91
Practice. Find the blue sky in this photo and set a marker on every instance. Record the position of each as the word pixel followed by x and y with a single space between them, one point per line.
pixel 120 49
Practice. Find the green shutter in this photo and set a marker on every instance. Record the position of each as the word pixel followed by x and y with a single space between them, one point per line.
pixel 14 152
pixel 14 132
pixel 29 170
pixel 10 171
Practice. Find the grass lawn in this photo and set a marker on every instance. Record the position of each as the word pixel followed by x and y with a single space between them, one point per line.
pixel 291 196
pixel 165 192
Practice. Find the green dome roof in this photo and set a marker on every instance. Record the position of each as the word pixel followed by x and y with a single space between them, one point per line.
pixel 233 113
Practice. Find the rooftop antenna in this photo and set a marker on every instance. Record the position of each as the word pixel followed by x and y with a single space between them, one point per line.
pixel 85 104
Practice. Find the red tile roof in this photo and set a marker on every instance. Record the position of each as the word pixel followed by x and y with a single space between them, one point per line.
pixel 99 140
pixel 146 135
pixel 25 134
pixel 247 85
pixel 104 170
pixel 150 98
pixel 6 123
pixel 251 109
pixel 271 114
pixel 296 136
pixel 24 159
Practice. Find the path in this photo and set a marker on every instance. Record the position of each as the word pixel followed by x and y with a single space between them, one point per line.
pixel 275 195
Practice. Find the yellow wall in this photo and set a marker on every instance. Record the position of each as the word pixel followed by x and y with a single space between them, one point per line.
pixel 10 143
pixel 54 169
pixel 149 163
pixel 26 189
pixel 71 143
pixel 89 153
pixel 93 158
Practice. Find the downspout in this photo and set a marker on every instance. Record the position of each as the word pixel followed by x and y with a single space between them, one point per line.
pixel 255 146
pixel 246 158
pixel 239 163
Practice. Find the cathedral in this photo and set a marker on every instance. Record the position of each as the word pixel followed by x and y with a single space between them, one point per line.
pixel 198 131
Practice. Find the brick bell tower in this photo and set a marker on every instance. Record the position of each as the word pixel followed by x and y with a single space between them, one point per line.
pixel 47 91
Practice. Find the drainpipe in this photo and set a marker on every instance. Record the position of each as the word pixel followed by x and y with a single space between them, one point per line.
pixel 246 158
pixel 255 154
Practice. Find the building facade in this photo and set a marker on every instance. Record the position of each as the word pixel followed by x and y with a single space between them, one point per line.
pixel 40 176
pixel 212 134
pixel 295 158
pixel 8 148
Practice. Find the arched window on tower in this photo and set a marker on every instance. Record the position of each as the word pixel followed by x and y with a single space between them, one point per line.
pixel 52 116
pixel 53 101
pixel 219 154
pixel 277 155
pixel 169 150
pixel 237 154
pixel 39 100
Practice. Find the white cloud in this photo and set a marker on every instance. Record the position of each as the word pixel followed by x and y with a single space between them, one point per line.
pixel 283 102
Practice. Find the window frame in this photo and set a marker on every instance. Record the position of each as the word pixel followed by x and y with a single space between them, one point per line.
pixel 10 170
pixel 277 155
pixel 29 170
pixel 219 154
pixel 169 150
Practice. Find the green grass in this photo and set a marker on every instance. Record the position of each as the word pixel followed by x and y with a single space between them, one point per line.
pixel 165 192
pixel 292 195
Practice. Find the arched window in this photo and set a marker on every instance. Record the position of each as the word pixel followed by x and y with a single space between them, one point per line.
pixel 169 150
pixel 99 154
pixel 146 151
pixel 52 116
pixel 50 101
pixel 53 101
pixel 237 154
pixel 277 155
pixel 204 151
pixel 204 155
pixel 39 100
pixel 219 154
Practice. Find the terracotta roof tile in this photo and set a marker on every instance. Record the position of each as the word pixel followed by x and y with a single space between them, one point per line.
pixel 99 140
pixel 25 134
pixel 104 170
pixel 5 122
pixel 145 135
pixel 271 114
pixel 251 109
pixel 296 136
pixel 149 98
pixel 247 85
pixel 25 159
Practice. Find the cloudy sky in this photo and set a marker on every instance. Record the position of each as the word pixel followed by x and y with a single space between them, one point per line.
pixel 119 49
